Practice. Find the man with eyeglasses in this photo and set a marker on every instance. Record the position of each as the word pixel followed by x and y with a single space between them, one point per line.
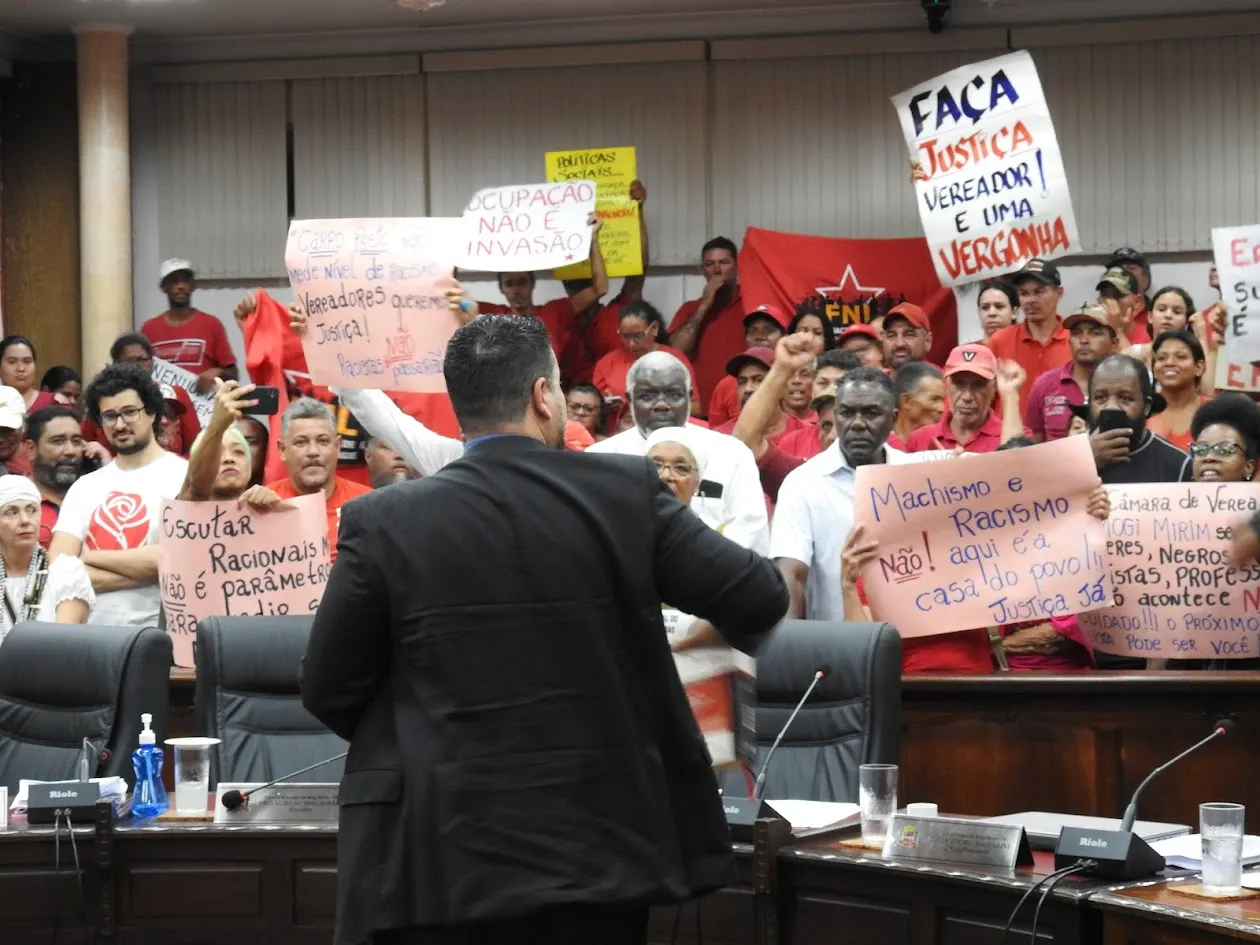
pixel 659 389
pixel 1039 343
pixel 110 517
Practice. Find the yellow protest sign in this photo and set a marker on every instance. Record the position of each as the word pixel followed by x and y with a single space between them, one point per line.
pixel 612 169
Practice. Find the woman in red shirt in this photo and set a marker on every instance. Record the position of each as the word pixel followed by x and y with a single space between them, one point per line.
pixel 1177 363
pixel 642 330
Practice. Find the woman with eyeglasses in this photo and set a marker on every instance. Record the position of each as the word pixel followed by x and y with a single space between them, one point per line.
pixel 642 331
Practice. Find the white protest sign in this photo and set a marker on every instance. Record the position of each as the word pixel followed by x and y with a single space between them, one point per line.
pixel 996 194
pixel 166 373
pixel 1237 253
pixel 525 227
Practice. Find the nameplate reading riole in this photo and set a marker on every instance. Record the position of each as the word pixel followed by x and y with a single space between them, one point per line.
pixel 308 804
pixel 954 840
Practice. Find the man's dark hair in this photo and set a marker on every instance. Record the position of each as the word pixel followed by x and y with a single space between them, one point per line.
pixel 1016 443
pixel 1185 337
pixel 867 375
pixel 491 365
pixel 37 422
pixel 913 373
pixel 720 242
pixel 533 279
pixel 586 389
pixel 116 378
pixel 1236 411
pixel 58 376
pixel 838 358
pixel 1145 384
pixel 125 341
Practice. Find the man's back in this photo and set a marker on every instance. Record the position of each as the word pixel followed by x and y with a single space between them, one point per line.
pixel 491 643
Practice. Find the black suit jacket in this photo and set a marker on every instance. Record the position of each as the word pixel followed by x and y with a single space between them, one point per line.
pixel 490 642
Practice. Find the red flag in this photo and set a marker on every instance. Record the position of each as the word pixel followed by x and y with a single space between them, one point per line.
pixel 847 281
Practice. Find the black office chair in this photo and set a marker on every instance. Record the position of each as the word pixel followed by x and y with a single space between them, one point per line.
pixel 852 718
pixel 62 683
pixel 248 696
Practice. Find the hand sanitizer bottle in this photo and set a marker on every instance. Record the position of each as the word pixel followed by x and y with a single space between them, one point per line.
pixel 148 798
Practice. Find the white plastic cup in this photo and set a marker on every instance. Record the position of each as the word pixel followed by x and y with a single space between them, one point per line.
pixel 192 773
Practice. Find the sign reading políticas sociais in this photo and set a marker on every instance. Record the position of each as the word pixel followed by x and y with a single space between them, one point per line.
pixel 995 194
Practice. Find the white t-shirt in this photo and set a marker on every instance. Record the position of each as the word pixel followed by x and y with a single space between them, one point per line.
pixel 117 509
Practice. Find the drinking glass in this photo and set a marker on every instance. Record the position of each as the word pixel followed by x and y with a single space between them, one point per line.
pixel 877 796
pixel 192 773
pixel 1221 833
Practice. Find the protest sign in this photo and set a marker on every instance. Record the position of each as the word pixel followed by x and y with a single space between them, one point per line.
pixel 983 539
pixel 526 227
pixel 1236 250
pixel 1232 375
pixel 166 373
pixel 613 170
pixel 219 559
pixel 996 194
pixel 1175 598
pixel 374 294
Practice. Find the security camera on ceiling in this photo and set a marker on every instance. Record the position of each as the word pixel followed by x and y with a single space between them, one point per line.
pixel 937 13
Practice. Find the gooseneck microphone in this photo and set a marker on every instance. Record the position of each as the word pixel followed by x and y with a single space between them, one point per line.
pixel 1223 727
pixel 233 800
pixel 760 783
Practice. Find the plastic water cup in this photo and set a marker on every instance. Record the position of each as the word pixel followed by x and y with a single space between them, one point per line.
pixel 1221 833
pixel 877 796
pixel 192 773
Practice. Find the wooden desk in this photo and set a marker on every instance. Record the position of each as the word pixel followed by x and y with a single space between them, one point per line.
pixel 993 744
pixel 1148 914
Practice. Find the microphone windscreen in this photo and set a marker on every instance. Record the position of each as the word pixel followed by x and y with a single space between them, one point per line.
pixel 1225 725
pixel 232 800
pixel 825 669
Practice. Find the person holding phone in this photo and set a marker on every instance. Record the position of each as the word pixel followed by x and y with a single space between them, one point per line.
pixel 1121 399
pixel 220 464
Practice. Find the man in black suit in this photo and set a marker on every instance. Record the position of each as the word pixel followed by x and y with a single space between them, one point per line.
pixel 524 766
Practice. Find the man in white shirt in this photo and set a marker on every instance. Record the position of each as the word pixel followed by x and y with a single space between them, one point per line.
pixel 658 386
pixel 110 517
pixel 814 514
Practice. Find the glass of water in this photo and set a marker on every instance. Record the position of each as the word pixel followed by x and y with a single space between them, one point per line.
pixel 192 773
pixel 1221 833
pixel 877 796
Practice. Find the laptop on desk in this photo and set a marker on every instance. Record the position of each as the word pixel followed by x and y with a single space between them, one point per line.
pixel 1043 827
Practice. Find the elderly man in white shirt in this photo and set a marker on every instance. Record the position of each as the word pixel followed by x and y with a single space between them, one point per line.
pixel 814 514
pixel 658 386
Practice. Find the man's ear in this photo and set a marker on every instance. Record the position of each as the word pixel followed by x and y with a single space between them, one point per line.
pixel 538 398
pixel 28 450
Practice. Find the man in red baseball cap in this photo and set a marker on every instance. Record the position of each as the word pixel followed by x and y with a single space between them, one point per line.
pixel 763 327
pixel 749 370
pixel 972 379
pixel 865 342
pixel 907 334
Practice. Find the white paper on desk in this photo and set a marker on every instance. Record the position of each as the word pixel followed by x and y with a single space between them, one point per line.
pixel 1186 851
pixel 817 815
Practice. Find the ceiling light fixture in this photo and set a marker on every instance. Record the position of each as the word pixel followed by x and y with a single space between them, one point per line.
pixel 420 6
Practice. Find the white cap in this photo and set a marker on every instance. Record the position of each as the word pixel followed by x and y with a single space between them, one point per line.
pixel 173 266
pixel 12 408
pixel 147 737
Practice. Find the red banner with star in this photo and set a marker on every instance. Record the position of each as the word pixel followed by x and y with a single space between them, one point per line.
pixel 846 281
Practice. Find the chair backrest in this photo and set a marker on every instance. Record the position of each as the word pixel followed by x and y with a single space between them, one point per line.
pixel 248 696
pixel 62 683
pixel 852 718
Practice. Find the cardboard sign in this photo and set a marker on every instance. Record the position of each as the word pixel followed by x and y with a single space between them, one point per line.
pixel 527 227
pixel 219 559
pixel 996 194
pixel 613 170
pixel 984 539
pixel 374 294
pixel 1175 598
pixel 1231 375
pixel 166 373
pixel 1236 250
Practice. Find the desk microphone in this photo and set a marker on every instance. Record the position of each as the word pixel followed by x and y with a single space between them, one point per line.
pixel 234 799
pixel 1223 727
pixel 760 783
pixel 1122 854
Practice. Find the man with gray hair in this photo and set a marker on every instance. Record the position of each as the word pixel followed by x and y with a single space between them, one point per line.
pixel 309 446
pixel 730 499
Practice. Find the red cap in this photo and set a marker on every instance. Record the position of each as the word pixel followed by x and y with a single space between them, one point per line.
pixel 911 313
pixel 752 355
pixel 772 312
pixel 577 437
pixel 856 331
pixel 974 359
pixel 168 394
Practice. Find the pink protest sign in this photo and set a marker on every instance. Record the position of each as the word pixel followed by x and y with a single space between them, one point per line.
pixel 983 539
pixel 374 292
pixel 1175 597
pixel 525 227
pixel 219 559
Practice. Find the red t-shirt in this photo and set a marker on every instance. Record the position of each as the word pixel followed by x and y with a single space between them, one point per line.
pixel 610 373
pixel 724 401
pixel 196 345
pixel 938 436
pixel 966 651
pixel 343 491
pixel 721 338
pixel 802 442
pixel 1014 343
pixel 773 466
pixel 557 317
pixel 181 443
pixel 48 512
pixel 601 336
